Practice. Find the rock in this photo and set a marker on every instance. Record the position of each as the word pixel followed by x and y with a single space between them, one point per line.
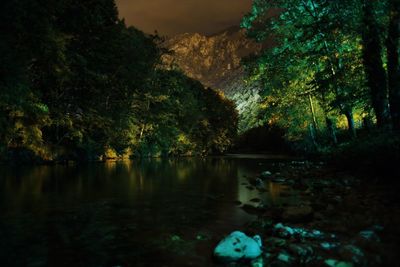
pixel 378 228
pixel 266 174
pixel 336 263
pixel 259 183
pixel 353 254
pixel 316 234
pixel 238 246
pixel 283 231
pixel 285 257
pixel 278 180
pixel 213 60
pixel 274 242
pixel 298 214
pixel 367 239
pixel 369 235
pixel 259 262
pixel 329 245
pixel 302 251
pixel 175 238
pixel 301 233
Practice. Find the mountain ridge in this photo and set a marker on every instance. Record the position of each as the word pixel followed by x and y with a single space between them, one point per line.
pixel 211 59
pixel 215 61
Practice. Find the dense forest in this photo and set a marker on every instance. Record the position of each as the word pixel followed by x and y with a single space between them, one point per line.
pixel 77 83
pixel 333 75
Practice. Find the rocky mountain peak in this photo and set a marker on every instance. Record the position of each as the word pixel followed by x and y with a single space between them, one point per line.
pixel 214 60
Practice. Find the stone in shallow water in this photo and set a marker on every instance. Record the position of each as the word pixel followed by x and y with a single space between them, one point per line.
pixel 335 263
pixel 259 262
pixel 278 180
pixel 273 242
pixel 283 231
pixel 369 235
pixel 238 246
pixel 288 232
pixel 329 246
pixel 303 251
pixel 259 183
pixel 266 174
pixel 354 254
pixel 283 256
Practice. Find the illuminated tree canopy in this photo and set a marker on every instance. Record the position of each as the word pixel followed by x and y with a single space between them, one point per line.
pixel 330 59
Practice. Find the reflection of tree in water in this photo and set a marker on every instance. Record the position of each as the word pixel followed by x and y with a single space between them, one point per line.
pixel 114 212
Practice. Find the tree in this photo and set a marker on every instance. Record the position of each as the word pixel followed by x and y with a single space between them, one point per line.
pixel 315 52
pixel 77 83
pixel 393 57
pixel 376 74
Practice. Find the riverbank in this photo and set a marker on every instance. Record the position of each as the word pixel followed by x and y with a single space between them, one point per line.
pixel 339 220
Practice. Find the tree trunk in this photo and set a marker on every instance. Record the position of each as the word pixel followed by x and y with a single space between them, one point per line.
pixel 350 122
pixel 376 75
pixel 313 117
pixel 331 130
pixel 394 63
pixel 367 123
pixel 312 135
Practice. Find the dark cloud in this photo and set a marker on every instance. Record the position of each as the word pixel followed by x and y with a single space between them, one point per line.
pixel 170 17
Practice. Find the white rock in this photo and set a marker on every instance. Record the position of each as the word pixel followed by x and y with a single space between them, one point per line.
pixel 238 246
pixel 266 174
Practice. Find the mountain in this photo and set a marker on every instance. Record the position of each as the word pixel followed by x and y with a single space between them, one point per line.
pixel 213 60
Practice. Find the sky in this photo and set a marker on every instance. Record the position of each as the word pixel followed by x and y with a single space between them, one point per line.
pixel 170 17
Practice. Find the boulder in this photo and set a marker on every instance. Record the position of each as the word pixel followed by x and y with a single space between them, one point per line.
pixel 238 246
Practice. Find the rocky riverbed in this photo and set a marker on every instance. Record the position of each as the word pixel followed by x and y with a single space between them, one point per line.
pixel 337 220
pixel 175 213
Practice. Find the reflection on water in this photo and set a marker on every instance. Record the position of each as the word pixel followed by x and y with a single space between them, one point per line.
pixel 138 213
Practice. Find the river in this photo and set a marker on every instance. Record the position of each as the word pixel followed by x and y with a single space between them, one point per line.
pixel 158 212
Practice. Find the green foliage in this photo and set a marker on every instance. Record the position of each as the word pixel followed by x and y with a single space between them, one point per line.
pixel 76 83
pixel 181 117
pixel 316 70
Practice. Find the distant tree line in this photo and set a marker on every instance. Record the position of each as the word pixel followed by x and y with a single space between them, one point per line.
pixel 77 83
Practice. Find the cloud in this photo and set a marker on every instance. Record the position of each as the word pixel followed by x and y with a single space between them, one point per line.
pixel 178 16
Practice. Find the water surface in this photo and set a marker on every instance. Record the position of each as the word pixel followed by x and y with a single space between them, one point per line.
pixel 157 212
